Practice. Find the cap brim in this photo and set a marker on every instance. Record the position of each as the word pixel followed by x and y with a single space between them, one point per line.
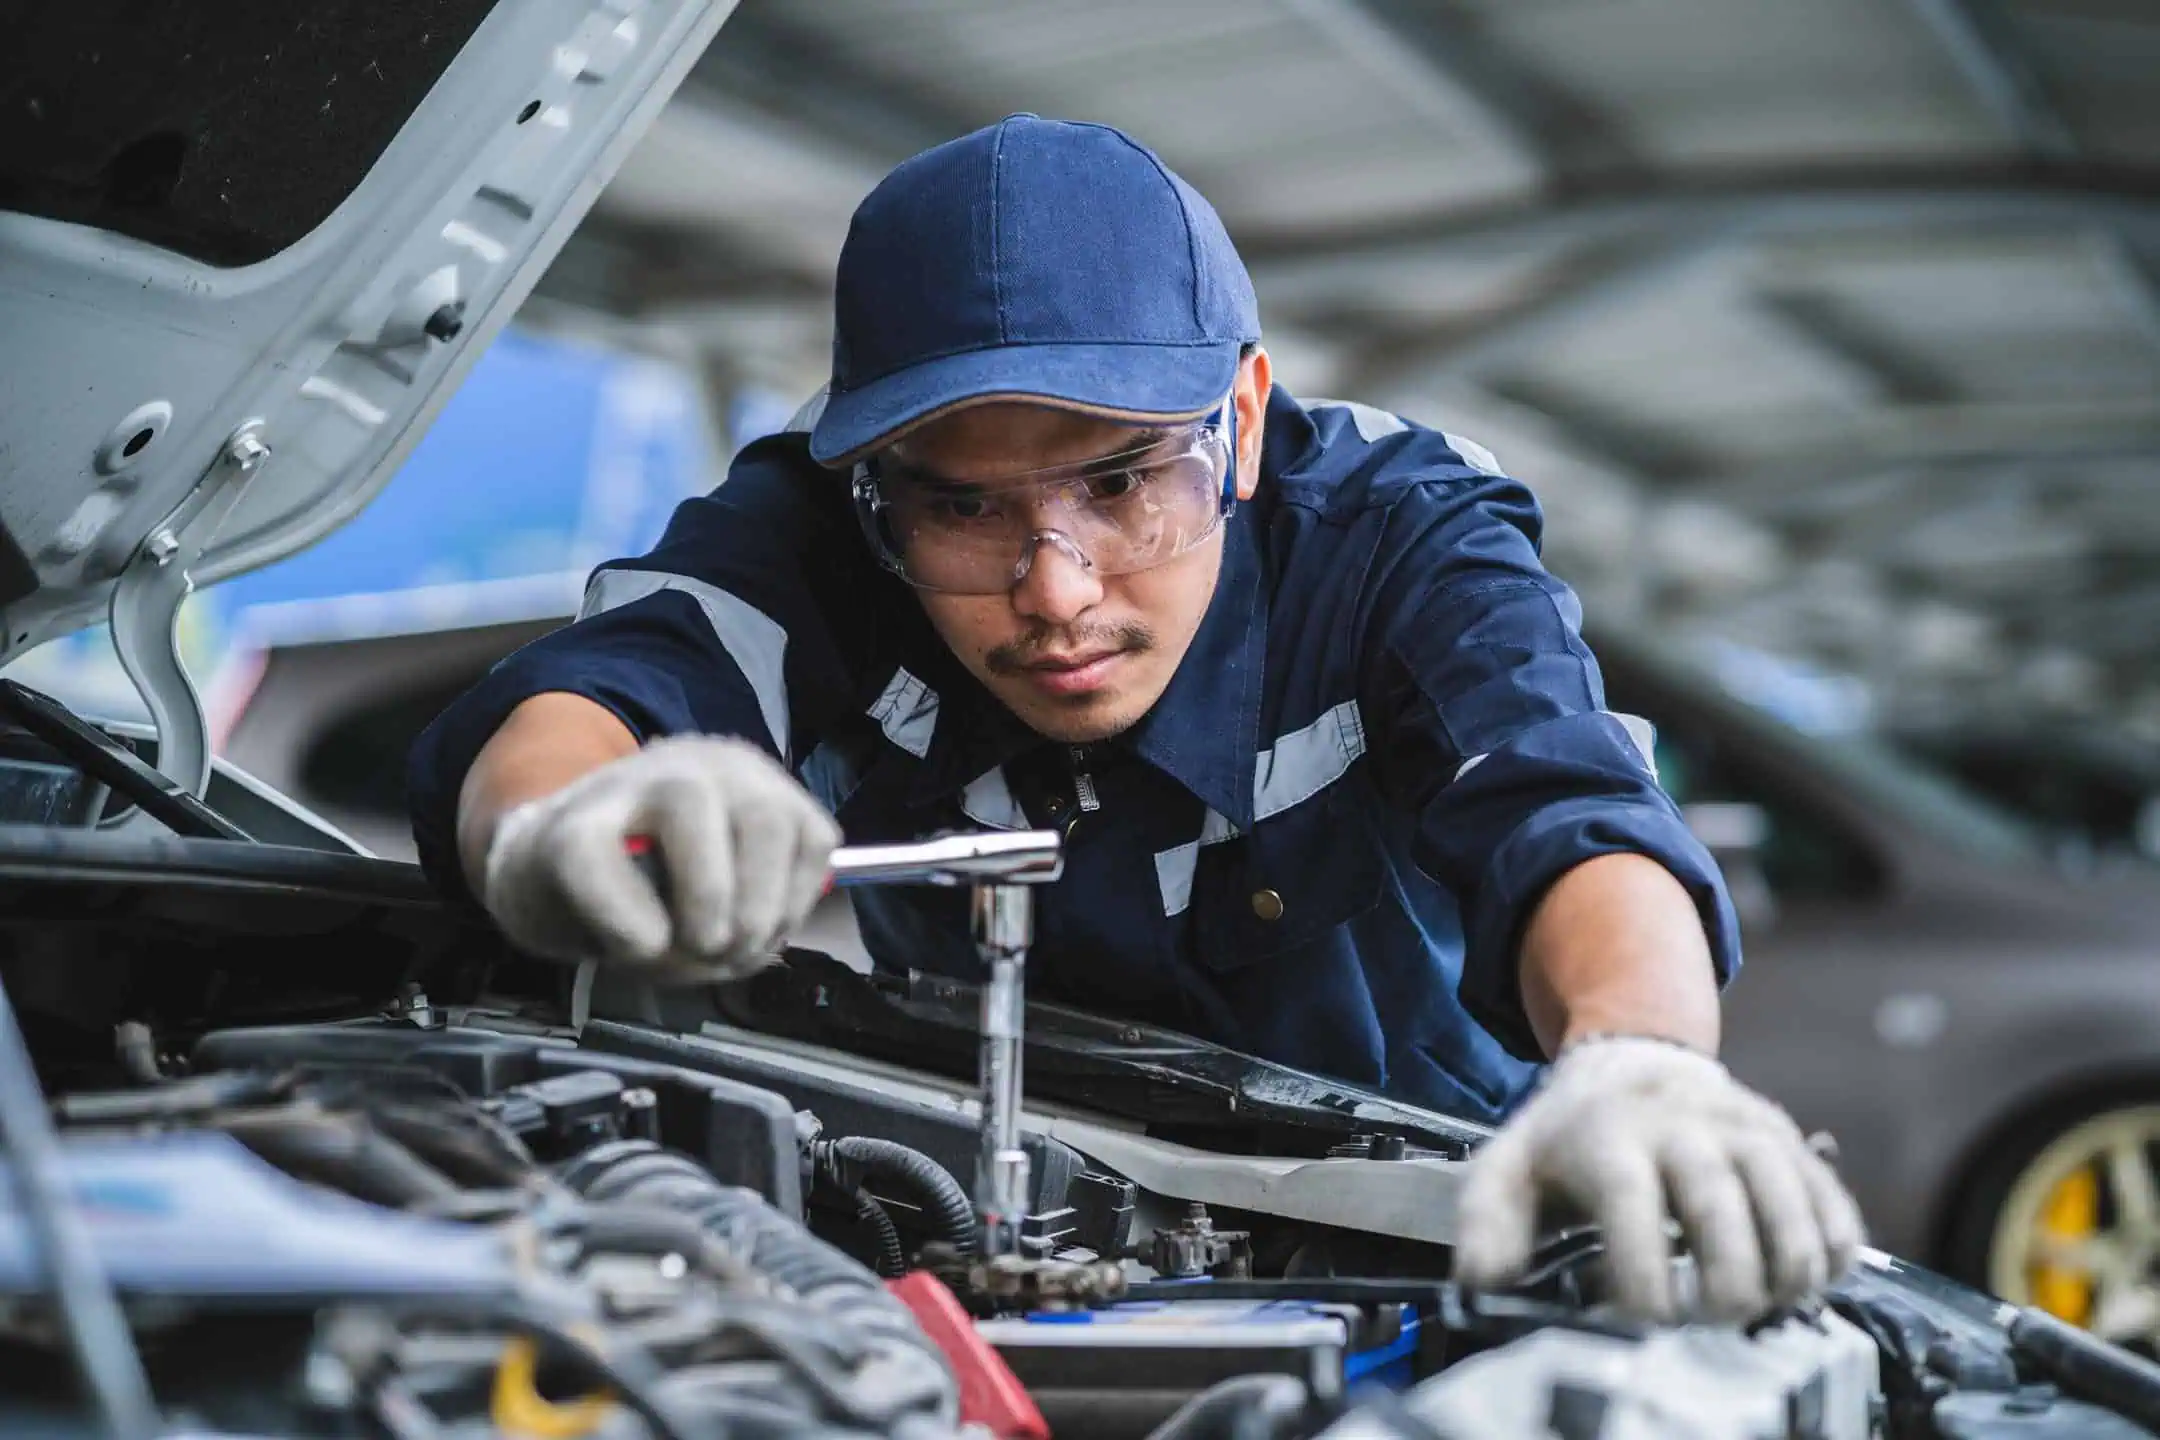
pixel 1131 384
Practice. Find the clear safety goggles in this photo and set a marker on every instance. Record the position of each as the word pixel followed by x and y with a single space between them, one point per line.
pixel 1114 514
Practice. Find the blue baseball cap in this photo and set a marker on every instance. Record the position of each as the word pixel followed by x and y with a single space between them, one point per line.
pixel 1035 260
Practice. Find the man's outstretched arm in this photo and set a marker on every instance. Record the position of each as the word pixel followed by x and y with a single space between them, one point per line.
pixel 549 741
pixel 1597 931
pixel 668 711
pixel 1617 948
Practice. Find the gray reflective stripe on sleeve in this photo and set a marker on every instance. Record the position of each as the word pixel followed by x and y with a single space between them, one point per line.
pixel 1307 761
pixel 1474 455
pixel 1371 421
pixel 805 419
pixel 752 639
pixel 1174 867
pixel 988 800
pixel 1644 734
pixel 907 713
pixel 1641 732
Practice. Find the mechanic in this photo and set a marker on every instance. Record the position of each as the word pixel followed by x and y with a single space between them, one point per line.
pixel 1332 763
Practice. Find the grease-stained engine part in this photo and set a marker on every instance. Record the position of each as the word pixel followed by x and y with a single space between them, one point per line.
pixel 315 1227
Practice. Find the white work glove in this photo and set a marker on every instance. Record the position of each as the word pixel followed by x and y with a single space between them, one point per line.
pixel 745 850
pixel 1623 1127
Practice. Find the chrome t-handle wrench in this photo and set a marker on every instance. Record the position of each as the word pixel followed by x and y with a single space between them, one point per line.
pixel 1003 921
pixel 1012 857
pixel 999 865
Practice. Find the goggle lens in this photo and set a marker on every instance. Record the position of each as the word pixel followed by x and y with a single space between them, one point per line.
pixel 1119 514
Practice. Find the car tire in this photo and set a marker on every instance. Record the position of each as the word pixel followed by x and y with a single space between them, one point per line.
pixel 2080 1182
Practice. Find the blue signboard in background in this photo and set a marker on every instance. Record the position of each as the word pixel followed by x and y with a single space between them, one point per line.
pixel 552 456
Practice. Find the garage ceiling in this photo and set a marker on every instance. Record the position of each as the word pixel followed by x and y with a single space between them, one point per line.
pixel 1831 328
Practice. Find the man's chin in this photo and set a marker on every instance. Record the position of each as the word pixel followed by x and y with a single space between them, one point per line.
pixel 1080 721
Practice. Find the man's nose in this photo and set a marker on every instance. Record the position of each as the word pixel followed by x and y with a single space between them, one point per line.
pixel 1060 585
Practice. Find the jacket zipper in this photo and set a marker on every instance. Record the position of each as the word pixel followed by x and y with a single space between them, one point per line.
pixel 1083 782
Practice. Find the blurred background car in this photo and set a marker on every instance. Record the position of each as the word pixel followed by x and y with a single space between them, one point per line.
pixel 1966 1010
pixel 1829 336
pixel 2093 791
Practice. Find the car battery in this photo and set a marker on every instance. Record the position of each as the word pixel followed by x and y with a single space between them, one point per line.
pixel 1125 1369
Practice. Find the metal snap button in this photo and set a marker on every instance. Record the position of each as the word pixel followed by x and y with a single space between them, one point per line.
pixel 1267 905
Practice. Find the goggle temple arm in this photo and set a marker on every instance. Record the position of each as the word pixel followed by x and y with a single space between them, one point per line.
pixel 1230 465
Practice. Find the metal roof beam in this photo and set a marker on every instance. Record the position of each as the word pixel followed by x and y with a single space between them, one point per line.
pixel 2115 625
pixel 1938 441
pixel 760 58
pixel 1981 44
pixel 1461 349
pixel 1440 56
pixel 1892 372
pixel 1653 457
pixel 628 264
pixel 1603 279
pixel 2130 272
pixel 1855 626
pixel 1807 201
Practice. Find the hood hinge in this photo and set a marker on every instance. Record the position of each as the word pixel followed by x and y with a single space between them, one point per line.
pixel 146 603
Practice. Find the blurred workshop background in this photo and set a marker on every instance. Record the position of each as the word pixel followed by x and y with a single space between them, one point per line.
pixel 1828 333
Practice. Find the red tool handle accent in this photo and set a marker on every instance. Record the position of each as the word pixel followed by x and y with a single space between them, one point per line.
pixel 990 1394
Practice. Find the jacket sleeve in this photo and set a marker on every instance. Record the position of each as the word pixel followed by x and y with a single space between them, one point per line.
pixel 719 630
pixel 1495 731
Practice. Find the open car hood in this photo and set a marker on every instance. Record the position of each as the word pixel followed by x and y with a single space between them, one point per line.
pixel 247 252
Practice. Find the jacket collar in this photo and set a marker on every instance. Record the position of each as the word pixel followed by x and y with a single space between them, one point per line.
pixel 1205 730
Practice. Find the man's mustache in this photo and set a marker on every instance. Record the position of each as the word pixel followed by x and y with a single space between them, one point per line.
pixel 1029 649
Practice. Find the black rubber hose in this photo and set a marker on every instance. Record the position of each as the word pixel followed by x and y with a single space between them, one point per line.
pixel 342 1152
pixel 2086 1366
pixel 650 1230
pixel 641 1172
pixel 465 1149
pixel 924 1180
pixel 891 1259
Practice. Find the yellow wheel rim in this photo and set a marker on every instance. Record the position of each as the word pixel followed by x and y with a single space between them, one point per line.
pixel 2070 1213
pixel 2079 1233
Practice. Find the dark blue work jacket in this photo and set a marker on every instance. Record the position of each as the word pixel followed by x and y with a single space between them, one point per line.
pixel 1320 846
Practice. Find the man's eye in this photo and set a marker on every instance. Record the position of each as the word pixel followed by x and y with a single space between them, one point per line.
pixel 966 507
pixel 1116 485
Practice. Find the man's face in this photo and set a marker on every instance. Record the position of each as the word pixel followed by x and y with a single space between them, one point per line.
pixel 1078 655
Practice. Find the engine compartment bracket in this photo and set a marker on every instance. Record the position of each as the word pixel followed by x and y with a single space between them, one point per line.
pixel 145 610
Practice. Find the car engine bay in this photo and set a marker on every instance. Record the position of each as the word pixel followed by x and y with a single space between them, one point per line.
pixel 420 1220
pixel 503 1198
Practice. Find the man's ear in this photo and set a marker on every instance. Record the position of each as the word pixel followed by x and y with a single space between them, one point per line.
pixel 1256 376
